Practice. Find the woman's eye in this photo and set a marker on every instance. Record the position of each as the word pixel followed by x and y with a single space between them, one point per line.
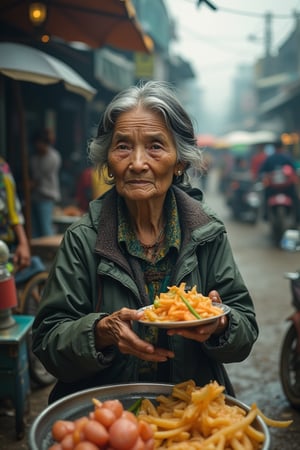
pixel 122 146
pixel 155 146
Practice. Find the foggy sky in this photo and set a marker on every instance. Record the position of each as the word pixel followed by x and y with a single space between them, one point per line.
pixel 216 42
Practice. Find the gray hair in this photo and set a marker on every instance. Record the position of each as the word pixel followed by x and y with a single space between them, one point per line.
pixel 157 96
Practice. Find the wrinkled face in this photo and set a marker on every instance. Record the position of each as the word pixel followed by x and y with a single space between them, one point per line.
pixel 142 157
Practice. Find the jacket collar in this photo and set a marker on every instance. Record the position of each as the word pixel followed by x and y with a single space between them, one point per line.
pixel 192 212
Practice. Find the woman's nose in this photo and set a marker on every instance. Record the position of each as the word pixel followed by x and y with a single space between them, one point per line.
pixel 138 160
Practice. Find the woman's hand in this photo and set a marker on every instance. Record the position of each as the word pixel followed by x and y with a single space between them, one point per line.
pixel 116 329
pixel 203 332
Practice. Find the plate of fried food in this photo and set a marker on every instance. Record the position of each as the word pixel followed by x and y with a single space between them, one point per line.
pixel 182 308
pixel 172 417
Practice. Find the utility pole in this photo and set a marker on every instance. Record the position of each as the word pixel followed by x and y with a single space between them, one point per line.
pixel 297 28
pixel 268 43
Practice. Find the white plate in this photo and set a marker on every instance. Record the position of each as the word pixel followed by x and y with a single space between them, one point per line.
pixel 186 323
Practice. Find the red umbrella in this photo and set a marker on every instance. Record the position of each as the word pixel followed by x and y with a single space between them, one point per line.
pixel 93 22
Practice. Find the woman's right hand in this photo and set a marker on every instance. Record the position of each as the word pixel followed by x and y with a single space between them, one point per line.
pixel 116 329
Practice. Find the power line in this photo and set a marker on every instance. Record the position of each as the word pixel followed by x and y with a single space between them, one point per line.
pixel 254 14
pixel 217 42
pixel 243 13
pixel 261 16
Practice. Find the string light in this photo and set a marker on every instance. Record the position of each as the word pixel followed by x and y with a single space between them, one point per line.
pixel 37 13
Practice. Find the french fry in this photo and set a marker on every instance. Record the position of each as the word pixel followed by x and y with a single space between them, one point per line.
pixel 147 407
pixel 221 444
pixel 166 423
pixel 170 433
pixel 198 418
pixel 274 423
pixel 254 434
pixel 236 444
pixel 179 305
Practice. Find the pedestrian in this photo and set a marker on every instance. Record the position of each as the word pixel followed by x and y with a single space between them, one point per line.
pixel 151 230
pixel 45 165
pixel 12 230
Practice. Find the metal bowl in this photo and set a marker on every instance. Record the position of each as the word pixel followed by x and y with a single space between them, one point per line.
pixel 80 404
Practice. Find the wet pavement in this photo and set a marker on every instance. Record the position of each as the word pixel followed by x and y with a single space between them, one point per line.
pixel 257 378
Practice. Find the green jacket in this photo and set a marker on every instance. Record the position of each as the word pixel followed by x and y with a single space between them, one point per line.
pixel 91 277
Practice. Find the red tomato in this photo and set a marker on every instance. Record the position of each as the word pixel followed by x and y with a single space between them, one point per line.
pixel 115 406
pixel 145 430
pixel 61 428
pixel 95 432
pixel 123 434
pixel 68 442
pixel 105 416
pixel 129 416
pixel 55 447
pixel 85 445
pixel 81 422
pixel 149 445
pixel 139 444
pixel 78 435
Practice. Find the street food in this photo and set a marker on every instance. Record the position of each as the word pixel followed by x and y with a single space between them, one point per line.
pixel 187 418
pixel 202 417
pixel 179 304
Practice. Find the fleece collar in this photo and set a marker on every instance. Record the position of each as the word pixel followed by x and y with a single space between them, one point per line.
pixel 192 213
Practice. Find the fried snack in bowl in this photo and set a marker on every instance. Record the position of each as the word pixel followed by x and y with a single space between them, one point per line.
pixel 204 418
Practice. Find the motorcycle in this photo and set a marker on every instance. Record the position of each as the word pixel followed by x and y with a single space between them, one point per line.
pixel 243 197
pixel 290 349
pixel 280 204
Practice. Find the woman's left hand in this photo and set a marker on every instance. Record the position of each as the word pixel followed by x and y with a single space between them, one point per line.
pixel 203 332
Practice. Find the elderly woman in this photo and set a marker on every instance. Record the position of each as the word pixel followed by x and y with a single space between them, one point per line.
pixel 148 232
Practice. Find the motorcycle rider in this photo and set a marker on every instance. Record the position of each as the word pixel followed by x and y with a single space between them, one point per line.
pixel 275 161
